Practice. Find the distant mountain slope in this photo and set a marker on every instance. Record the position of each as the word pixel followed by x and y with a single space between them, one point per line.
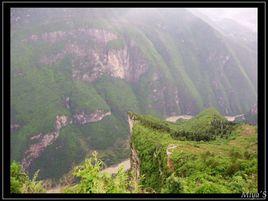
pixel 76 73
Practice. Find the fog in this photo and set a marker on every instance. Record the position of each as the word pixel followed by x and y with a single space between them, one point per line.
pixel 244 16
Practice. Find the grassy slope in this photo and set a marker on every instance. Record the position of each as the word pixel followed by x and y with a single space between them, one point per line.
pixel 36 96
pixel 226 165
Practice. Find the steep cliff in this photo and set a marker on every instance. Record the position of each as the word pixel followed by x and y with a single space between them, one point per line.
pixel 74 63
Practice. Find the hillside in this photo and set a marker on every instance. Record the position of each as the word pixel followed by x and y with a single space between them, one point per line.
pixel 164 163
pixel 222 160
pixel 76 72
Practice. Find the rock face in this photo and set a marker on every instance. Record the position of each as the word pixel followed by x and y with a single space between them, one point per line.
pixel 135 162
pixel 41 140
pixel 61 121
pixel 84 118
pixel 124 63
pixel 130 123
pixel 88 64
pixel 134 159
pixel 155 67
pixel 44 140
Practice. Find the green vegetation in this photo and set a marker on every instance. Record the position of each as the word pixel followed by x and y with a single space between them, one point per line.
pixel 88 176
pixel 118 94
pixel 85 98
pixel 115 44
pixel 224 164
pixel 92 180
pixel 69 151
pixel 206 126
pixel 20 182
pixel 185 71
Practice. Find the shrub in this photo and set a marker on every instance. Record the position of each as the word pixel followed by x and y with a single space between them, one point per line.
pixel 232 169
pixel 92 180
pixel 208 187
pixel 20 182
pixel 172 185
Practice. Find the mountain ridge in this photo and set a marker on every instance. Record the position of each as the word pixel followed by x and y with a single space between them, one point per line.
pixel 161 62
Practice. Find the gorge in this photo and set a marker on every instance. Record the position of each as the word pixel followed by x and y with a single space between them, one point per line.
pixel 75 73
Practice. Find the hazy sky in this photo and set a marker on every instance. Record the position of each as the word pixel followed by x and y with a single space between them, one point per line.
pixel 244 16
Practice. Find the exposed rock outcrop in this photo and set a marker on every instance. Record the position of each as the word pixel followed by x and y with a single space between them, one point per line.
pixel 117 63
pixel 130 123
pixel 44 140
pixel 84 118
pixel 41 140
pixel 125 63
pixel 135 162
pixel 134 159
pixel 36 149
pixel 88 64
pixel 61 121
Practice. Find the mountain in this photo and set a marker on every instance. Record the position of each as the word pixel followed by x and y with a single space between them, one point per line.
pixel 194 163
pixel 206 154
pixel 76 72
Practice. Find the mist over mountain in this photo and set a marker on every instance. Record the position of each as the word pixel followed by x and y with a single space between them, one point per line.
pixel 246 17
pixel 75 73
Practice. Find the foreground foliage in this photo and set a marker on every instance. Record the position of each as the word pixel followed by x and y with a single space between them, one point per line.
pixel 223 163
pixel 88 178
pixel 92 180
pixel 21 183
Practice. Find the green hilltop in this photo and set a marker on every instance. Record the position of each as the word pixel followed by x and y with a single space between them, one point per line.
pixel 192 163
